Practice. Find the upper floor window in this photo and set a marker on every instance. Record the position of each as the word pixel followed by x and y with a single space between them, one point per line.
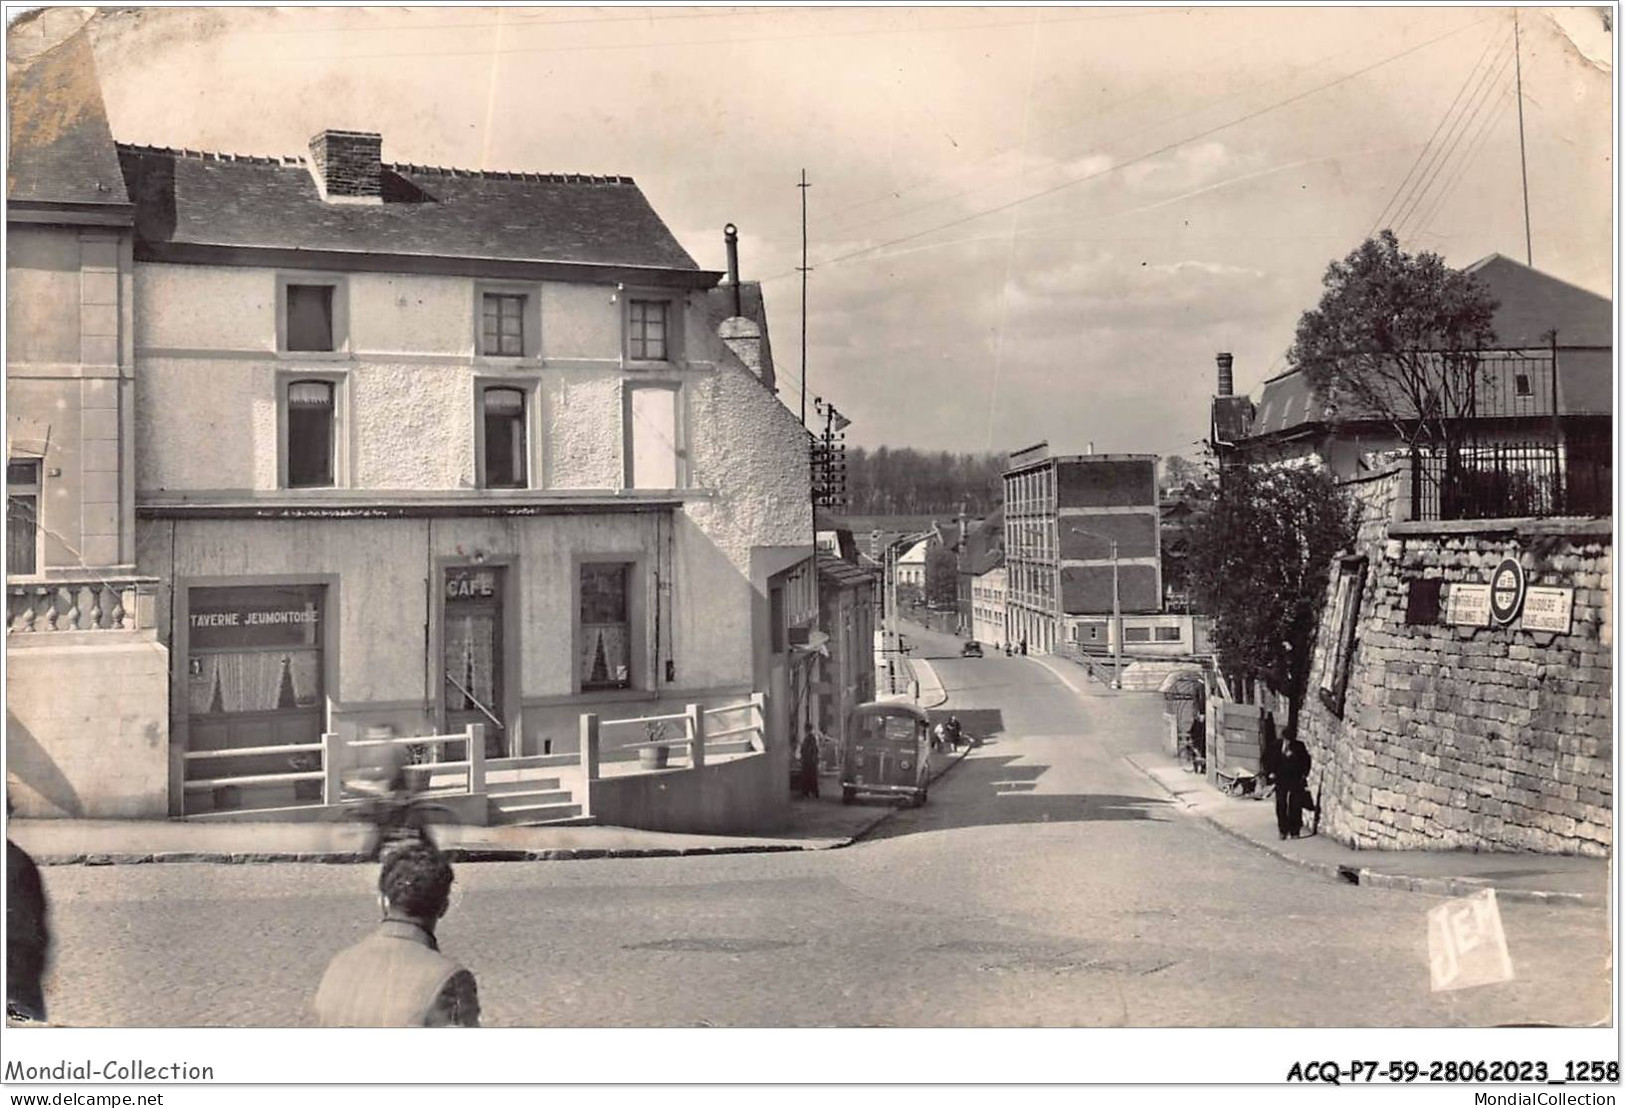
pixel 311 314
pixel 311 421
pixel 310 317
pixel 649 330
pixel 646 330
pixel 654 449
pixel 504 449
pixel 502 325
pixel 22 516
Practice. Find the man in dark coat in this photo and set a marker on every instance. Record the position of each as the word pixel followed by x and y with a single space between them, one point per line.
pixel 27 939
pixel 1291 785
pixel 397 977
pixel 809 765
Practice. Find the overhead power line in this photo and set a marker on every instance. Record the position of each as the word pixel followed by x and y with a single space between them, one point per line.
pixel 1163 149
pixel 1474 147
pixel 1376 224
pixel 1207 105
pixel 1464 122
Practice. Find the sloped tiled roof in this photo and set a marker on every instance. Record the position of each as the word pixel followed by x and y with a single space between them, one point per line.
pixel 208 199
pixel 984 545
pixel 61 148
pixel 1533 303
pixel 843 574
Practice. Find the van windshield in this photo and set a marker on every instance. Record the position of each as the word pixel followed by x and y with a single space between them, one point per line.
pixel 889 728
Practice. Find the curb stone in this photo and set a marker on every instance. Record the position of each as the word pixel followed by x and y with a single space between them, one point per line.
pixel 1360 875
pixel 463 854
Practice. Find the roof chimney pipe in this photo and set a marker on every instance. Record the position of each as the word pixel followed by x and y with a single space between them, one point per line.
pixel 1227 382
pixel 730 234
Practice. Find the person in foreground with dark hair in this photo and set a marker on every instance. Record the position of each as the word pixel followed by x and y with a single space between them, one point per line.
pixel 397 977
pixel 27 937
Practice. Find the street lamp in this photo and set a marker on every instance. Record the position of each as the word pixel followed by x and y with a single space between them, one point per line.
pixel 1117 608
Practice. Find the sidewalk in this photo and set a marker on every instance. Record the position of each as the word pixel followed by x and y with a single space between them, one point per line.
pixel 824 824
pixel 1540 877
pixel 1553 878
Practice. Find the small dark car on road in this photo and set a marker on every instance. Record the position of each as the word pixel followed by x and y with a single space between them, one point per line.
pixel 972 649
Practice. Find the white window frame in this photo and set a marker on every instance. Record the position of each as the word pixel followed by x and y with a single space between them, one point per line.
pixel 340 380
pixel 341 314
pixel 639 676
pixel 531 338
pixel 679 424
pixel 37 490
pixel 528 388
pixel 675 303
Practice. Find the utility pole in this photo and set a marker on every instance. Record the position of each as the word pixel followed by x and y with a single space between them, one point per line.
pixel 1117 625
pixel 804 269
pixel 1523 158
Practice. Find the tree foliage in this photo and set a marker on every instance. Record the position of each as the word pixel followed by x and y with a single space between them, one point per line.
pixel 941 577
pixel 1396 337
pixel 1260 555
pixel 904 481
pixel 1180 473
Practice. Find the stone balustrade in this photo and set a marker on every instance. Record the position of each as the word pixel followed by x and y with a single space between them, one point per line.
pixel 80 604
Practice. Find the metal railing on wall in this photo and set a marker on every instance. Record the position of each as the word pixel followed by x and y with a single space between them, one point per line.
pixel 1505 480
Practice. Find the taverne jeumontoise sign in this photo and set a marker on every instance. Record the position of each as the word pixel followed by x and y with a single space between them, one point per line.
pixel 254 618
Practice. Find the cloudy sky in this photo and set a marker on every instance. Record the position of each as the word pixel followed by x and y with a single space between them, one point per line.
pixel 1024 223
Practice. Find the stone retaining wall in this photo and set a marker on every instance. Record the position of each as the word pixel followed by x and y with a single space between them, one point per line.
pixel 1484 738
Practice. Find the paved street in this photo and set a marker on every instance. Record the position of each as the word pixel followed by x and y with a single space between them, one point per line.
pixel 1047 883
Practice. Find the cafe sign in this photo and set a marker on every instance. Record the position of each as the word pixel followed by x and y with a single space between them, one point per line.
pixel 470 584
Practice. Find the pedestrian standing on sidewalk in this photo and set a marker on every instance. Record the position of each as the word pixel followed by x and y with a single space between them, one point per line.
pixel 397 977
pixel 809 765
pixel 1291 786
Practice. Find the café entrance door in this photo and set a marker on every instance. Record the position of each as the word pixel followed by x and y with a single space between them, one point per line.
pixel 472 664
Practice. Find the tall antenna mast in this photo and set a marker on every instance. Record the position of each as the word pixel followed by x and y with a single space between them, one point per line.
pixel 1523 160
pixel 804 269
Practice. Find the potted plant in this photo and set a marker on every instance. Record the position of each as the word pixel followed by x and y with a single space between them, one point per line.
pixel 304 762
pixel 654 757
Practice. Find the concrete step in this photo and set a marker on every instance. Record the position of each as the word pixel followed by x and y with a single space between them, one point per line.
pixel 530 798
pixel 533 814
pixel 522 787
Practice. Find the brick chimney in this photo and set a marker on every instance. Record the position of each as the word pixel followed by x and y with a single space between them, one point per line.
pixel 346 164
pixel 1227 381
